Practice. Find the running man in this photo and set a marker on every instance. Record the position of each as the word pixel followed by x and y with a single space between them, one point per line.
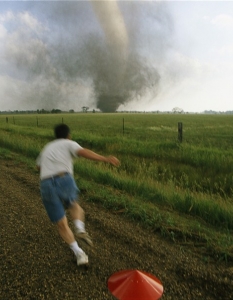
pixel 59 190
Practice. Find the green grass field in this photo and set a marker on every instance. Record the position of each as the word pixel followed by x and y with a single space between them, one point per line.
pixel 184 190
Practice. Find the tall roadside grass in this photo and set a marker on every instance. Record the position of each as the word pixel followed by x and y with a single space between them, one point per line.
pixel 20 143
pixel 213 210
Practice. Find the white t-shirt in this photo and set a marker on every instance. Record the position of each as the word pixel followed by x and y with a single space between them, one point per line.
pixel 56 157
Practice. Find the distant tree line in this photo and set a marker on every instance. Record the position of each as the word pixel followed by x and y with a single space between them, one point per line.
pixel 228 112
pixel 38 111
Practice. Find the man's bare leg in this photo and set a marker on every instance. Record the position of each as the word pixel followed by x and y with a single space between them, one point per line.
pixel 78 217
pixel 65 231
pixel 76 212
pixel 68 236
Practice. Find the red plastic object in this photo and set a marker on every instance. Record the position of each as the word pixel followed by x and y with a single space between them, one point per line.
pixel 135 285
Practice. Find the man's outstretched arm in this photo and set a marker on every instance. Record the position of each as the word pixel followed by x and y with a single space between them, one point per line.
pixel 86 153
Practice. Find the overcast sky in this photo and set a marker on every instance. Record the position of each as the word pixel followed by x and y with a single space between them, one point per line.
pixel 169 54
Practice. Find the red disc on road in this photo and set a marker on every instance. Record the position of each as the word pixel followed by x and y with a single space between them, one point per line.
pixel 135 285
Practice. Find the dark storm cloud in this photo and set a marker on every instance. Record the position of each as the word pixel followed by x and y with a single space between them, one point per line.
pixel 69 51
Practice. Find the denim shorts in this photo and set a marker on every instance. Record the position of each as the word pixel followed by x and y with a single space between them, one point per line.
pixel 58 193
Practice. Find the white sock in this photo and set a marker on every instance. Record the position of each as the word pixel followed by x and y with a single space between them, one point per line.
pixel 75 248
pixel 80 225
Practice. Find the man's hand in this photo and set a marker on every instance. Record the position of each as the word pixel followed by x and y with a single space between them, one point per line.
pixel 113 160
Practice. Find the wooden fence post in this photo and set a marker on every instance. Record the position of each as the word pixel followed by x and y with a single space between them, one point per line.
pixel 123 126
pixel 180 132
pixel 7 119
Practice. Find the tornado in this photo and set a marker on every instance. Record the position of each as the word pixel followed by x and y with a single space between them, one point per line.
pixel 109 82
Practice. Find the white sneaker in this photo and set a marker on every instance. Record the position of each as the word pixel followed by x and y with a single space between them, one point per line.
pixel 82 259
pixel 85 237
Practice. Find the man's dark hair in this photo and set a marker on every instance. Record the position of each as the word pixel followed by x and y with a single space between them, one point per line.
pixel 61 131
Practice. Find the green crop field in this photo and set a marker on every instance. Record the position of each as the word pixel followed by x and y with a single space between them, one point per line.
pixel 182 189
